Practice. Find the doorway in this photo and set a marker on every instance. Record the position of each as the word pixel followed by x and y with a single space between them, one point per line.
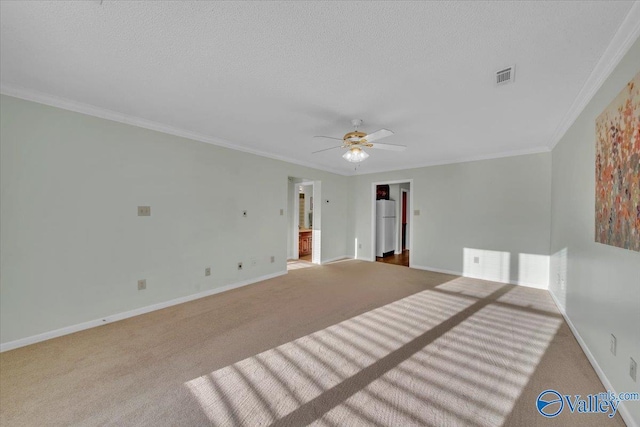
pixel 304 221
pixel 391 222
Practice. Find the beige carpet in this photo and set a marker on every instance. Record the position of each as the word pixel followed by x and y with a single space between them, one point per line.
pixel 351 343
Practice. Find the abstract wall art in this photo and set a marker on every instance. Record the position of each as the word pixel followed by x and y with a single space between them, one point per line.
pixel 618 170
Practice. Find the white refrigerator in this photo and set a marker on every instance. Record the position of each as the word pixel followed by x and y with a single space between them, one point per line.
pixel 385 227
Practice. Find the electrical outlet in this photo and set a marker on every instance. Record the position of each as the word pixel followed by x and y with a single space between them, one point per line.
pixel 281 212
pixel 239 266
pixel 144 210
pixel 633 369
pixel 416 212
pixel 273 259
pixel 244 214
pixel 613 345
pixel 142 284
pixel 359 245
pixel 207 271
pixel 476 260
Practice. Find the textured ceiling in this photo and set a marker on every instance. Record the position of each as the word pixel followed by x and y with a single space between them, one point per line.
pixel 267 77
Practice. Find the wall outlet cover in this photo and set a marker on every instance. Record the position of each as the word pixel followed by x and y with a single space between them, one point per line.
pixel 207 271
pixel 144 210
pixel 273 259
pixel 281 212
pixel 142 284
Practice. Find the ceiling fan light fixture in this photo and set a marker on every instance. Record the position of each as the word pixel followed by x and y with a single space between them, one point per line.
pixel 355 155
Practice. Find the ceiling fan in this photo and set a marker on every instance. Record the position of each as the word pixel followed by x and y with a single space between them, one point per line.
pixel 355 141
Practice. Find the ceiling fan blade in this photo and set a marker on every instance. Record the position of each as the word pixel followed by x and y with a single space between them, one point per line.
pixel 379 134
pixel 391 147
pixel 328 137
pixel 327 149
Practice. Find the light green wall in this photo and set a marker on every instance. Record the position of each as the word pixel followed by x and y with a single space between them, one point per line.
pixel 499 205
pixel 73 247
pixel 601 288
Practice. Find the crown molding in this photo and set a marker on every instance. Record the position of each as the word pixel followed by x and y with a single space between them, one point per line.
pixel 500 155
pixel 103 113
pixel 627 34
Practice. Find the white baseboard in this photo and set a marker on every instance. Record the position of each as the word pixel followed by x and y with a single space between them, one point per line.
pixel 131 313
pixel 437 270
pixel 624 412
pixel 529 285
pixel 459 273
pixel 338 258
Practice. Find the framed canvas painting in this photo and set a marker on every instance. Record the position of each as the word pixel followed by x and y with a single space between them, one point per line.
pixel 618 170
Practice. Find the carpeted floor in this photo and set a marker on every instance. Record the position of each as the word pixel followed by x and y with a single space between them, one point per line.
pixel 350 343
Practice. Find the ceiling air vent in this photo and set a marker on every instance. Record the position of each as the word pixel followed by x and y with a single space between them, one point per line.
pixel 506 75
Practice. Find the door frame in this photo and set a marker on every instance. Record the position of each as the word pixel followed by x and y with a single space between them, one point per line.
pixel 316 216
pixel 373 216
pixel 403 191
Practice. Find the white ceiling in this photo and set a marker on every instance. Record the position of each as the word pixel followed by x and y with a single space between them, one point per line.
pixel 267 77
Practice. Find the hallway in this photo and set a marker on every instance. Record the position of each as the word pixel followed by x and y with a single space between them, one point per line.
pixel 400 259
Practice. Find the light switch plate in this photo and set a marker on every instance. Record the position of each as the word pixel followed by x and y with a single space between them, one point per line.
pixel 144 210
